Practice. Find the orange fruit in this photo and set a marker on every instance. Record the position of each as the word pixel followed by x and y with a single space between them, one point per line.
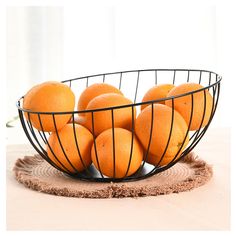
pixel 104 148
pixel 162 119
pixel 103 119
pixel 49 96
pixel 93 91
pixel 156 92
pixel 184 104
pixel 68 141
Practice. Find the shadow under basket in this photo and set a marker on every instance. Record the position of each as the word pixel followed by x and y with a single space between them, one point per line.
pixel 130 84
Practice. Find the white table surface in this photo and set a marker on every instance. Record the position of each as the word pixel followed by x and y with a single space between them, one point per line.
pixel 204 208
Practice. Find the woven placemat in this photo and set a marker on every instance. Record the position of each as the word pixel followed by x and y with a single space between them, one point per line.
pixel 189 173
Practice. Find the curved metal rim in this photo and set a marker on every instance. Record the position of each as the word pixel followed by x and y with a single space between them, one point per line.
pixel 219 78
pixel 129 71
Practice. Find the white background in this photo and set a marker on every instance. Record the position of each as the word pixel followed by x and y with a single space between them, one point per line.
pixel 76 38
pixel 102 36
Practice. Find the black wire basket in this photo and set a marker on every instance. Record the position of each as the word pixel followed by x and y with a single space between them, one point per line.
pixel 130 83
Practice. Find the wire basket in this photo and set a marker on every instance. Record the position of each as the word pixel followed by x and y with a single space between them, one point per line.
pixel 130 83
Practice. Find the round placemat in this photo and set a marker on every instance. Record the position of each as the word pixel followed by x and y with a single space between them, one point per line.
pixel 189 173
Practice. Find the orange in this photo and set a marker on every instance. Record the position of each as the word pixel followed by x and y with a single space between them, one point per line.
pixel 162 119
pixel 122 117
pixel 49 96
pixel 105 155
pixel 184 104
pixel 93 91
pixel 68 141
pixel 155 93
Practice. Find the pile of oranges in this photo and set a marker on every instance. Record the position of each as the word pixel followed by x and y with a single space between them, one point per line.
pixel 116 140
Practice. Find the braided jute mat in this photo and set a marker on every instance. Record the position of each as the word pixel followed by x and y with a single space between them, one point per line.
pixel 189 173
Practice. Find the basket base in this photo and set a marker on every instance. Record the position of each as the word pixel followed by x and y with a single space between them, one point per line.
pixel 95 176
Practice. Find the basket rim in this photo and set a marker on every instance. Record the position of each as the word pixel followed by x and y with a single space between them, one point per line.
pixel 141 70
pixel 218 77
